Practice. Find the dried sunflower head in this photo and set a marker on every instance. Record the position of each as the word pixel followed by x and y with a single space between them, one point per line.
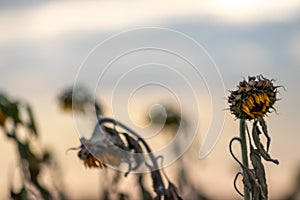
pixel 253 98
pixel 100 153
pixel 88 159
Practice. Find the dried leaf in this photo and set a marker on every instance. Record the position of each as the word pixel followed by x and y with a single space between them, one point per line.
pixel 12 110
pixel 137 150
pixel 250 182
pixel 255 134
pixel 259 172
pixel 172 193
pixel 158 185
pixel 265 131
pixel 31 124
pixel 33 162
pixel 249 177
pixel 133 144
pixel 115 138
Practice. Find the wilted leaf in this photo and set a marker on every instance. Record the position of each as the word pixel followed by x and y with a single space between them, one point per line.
pixel 265 131
pixel 249 179
pixel 33 162
pixel 114 137
pixel 259 172
pixel 137 150
pixel 31 124
pixel 11 110
pixel 34 168
pixel 133 144
pixel 172 193
pixel 255 134
pixel 158 185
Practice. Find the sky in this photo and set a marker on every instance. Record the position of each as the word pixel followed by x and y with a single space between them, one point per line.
pixel 43 45
pixel 54 18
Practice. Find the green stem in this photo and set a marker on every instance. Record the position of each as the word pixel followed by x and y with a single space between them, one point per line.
pixel 244 153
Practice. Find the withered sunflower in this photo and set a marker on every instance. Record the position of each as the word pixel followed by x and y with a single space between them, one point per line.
pixel 99 153
pixel 88 159
pixel 253 98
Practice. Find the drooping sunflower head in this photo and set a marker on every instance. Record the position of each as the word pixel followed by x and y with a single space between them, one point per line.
pixel 88 159
pixel 99 153
pixel 253 98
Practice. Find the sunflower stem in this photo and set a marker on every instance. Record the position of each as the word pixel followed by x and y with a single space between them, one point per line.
pixel 244 153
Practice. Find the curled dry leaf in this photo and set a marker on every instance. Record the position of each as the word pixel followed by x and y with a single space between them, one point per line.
pixel 259 172
pixel 260 147
pixel 172 193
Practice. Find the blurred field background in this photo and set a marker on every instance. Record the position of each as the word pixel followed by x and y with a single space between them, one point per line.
pixel 43 44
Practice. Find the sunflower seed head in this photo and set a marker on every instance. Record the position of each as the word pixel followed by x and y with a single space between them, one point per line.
pixel 253 98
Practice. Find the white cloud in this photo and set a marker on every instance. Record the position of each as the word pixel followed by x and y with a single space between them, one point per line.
pixel 54 18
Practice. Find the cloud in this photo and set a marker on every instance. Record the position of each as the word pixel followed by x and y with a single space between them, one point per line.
pixel 54 18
